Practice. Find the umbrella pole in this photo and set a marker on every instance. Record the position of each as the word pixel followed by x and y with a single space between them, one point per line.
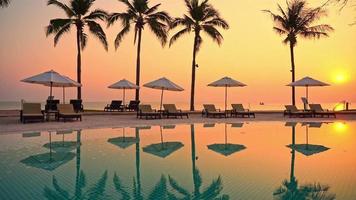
pixel 123 98
pixel 50 90
pixel 160 107
pixel 161 136
pixel 64 95
pixel 307 136
pixel 225 98
pixel 225 136
pixel 307 93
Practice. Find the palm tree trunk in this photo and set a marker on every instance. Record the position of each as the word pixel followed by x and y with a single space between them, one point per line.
pixel 194 168
pixel 138 64
pixel 78 191
pixel 192 92
pixel 292 177
pixel 293 71
pixel 138 195
pixel 79 63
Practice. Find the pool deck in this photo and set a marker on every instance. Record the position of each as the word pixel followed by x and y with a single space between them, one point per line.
pixel 9 121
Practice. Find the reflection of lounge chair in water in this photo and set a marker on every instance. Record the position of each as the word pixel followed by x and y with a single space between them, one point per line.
pixel 291 190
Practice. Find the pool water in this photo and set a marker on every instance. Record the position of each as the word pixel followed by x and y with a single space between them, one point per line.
pixel 248 161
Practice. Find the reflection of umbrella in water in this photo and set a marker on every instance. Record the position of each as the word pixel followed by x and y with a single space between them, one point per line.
pixel 163 149
pixel 123 142
pixel 291 189
pixel 226 149
pixel 48 161
pixel 62 146
pixel 309 149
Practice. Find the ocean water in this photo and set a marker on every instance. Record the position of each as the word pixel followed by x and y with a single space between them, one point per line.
pixel 239 161
pixel 16 105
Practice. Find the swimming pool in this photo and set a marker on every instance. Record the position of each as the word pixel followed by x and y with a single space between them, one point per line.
pixel 257 160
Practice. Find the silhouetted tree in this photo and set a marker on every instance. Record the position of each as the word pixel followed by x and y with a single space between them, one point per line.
pixel 78 15
pixel 201 17
pixel 297 20
pixel 4 3
pixel 137 15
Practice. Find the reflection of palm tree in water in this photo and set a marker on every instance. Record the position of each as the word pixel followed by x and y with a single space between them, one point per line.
pixel 290 190
pixel 94 192
pixel 211 192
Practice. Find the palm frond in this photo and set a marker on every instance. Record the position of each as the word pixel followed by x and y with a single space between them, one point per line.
pixel 159 29
pixel 129 5
pixel 56 25
pixel 97 31
pixel 83 40
pixel 213 33
pixel 175 185
pixel 213 190
pixel 98 189
pixel 97 14
pixel 120 188
pixel 178 35
pixel 59 34
pixel 63 6
pixel 4 3
pixel 121 35
pixel 219 22
pixel 152 9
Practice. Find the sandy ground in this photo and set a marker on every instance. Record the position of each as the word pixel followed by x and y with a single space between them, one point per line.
pixel 11 124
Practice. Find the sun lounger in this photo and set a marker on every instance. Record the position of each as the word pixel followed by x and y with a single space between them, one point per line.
pixel 66 111
pixel 147 112
pixel 133 106
pixel 239 110
pixel 318 111
pixel 170 110
pixel 31 111
pixel 293 111
pixel 51 105
pixel 77 105
pixel 211 111
pixel 115 105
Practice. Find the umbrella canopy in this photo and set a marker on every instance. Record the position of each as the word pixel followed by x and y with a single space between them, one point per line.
pixel 70 83
pixel 226 82
pixel 123 142
pixel 124 85
pixel 51 79
pixel 309 149
pixel 163 149
pixel 48 161
pixel 226 149
pixel 163 84
pixel 308 82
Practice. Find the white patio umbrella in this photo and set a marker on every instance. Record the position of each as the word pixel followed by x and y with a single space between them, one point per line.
pixel 226 82
pixel 69 83
pixel 163 84
pixel 49 78
pixel 124 85
pixel 308 82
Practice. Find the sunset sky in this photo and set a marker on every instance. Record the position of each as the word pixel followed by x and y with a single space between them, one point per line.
pixel 251 53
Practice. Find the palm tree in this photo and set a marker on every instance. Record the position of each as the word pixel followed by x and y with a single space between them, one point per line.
pixel 139 14
pixel 78 15
pixel 201 17
pixel 4 3
pixel 297 20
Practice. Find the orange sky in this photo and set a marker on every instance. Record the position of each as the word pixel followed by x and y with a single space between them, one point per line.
pixel 251 53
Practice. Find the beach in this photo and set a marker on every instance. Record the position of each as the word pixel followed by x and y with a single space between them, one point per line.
pixel 92 120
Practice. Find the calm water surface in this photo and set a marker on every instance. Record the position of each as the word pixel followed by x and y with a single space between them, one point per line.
pixel 261 160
